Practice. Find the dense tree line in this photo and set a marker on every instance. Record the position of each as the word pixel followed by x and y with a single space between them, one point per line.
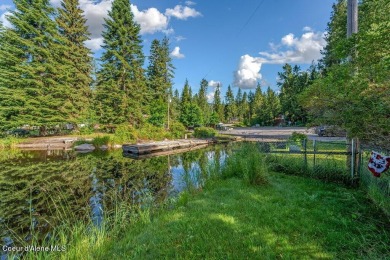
pixel 352 89
pixel 46 71
pixel 47 79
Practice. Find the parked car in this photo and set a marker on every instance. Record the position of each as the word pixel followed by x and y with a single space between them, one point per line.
pixel 331 130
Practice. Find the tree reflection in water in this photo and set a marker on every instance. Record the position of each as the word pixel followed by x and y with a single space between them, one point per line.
pixel 40 190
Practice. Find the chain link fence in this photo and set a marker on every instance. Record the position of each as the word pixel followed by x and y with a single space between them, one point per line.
pixel 335 161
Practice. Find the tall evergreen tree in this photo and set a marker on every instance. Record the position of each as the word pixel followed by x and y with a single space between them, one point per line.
pixel 121 81
pixel 238 102
pixel 32 89
pixel 292 82
pixel 218 108
pixel 76 57
pixel 186 95
pixel 203 102
pixel 159 73
pixel 270 107
pixel 244 107
pixel 230 105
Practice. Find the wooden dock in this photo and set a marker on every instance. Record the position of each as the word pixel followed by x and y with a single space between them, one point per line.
pixel 154 147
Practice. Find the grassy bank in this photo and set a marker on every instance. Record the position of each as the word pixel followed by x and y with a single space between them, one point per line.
pixel 292 217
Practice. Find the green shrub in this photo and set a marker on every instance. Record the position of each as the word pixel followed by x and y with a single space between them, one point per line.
pixel 152 132
pixel 124 133
pixel 297 137
pixel 248 163
pixel 101 140
pixel 204 132
pixel 9 142
pixel 177 129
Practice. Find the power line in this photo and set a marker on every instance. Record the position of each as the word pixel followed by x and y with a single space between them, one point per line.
pixel 250 17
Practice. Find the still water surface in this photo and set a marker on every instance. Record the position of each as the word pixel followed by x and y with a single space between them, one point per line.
pixel 41 189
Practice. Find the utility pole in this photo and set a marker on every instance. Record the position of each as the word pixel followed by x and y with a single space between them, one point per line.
pixel 352 17
pixel 353 145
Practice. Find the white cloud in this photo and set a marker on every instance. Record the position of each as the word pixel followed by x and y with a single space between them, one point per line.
pixel 179 38
pixel 4 7
pixel 94 44
pixel 248 72
pixel 288 39
pixel 189 3
pixel 182 12
pixel 150 20
pixel 293 49
pixel 168 31
pixel 307 29
pixel 301 50
pixel 176 53
pixel 214 84
pixel 4 20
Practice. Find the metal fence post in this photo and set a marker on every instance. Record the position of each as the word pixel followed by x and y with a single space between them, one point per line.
pixel 305 153
pixel 314 153
pixel 352 158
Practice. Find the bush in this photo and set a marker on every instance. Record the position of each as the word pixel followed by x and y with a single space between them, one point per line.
pixel 248 163
pixel 297 137
pixel 124 133
pixel 204 132
pixel 101 140
pixel 151 132
pixel 177 130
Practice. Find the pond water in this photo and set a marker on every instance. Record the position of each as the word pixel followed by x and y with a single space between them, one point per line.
pixel 41 189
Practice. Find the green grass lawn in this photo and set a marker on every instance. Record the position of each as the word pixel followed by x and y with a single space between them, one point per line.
pixel 292 217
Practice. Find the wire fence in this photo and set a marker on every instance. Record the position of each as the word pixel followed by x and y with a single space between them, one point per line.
pixel 335 161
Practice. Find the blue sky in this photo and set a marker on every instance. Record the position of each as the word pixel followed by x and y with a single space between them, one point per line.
pixel 231 42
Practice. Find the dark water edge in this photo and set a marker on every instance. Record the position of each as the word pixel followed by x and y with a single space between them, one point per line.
pixel 40 190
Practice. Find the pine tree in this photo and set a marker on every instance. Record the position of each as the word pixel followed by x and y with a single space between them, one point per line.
pixel 32 89
pixel 245 109
pixel 270 107
pixel 121 81
pixel 238 102
pixel 186 95
pixel 230 105
pixel 202 101
pixel 258 106
pixel 160 73
pixel 218 108
pixel 76 57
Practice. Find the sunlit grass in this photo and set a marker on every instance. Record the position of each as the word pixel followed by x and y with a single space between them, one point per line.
pixel 292 217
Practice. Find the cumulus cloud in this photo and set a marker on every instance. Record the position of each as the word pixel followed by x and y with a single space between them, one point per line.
pixel 182 12
pixel 176 53
pixel 303 49
pixel 291 49
pixel 248 73
pixel 150 20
